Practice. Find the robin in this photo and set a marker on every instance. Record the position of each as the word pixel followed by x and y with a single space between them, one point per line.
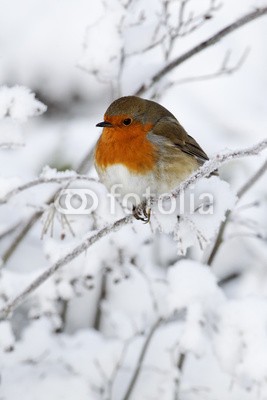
pixel 143 146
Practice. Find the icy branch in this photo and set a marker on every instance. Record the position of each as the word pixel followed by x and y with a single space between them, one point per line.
pixel 84 166
pixel 243 190
pixel 39 181
pixel 240 193
pixel 209 167
pixel 84 245
pixel 215 162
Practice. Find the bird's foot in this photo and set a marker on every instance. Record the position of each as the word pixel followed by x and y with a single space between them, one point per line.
pixel 142 212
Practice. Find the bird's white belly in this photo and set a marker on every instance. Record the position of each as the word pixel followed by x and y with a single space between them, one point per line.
pixel 129 188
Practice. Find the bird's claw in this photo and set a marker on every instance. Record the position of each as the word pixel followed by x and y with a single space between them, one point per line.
pixel 142 212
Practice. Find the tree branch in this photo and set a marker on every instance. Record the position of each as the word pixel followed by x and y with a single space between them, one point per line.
pixel 85 164
pixel 215 162
pixel 176 62
pixel 210 166
pixel 40 181
pixel 202 46
pixel 140 360
pixel 224 69
pixel 254 178
pixel 84 245
pixel 219 239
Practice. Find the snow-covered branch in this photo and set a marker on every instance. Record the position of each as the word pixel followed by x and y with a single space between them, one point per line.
pixel 204 171
pixel 83 167
pixel 252 180
pixel 215 162
pixel 83 246
pixel 39 181
pixel 241 192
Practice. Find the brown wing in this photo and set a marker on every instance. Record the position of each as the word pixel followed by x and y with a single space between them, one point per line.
pixel 171 129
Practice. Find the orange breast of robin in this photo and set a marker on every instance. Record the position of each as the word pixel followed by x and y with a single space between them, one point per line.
pixel 128 146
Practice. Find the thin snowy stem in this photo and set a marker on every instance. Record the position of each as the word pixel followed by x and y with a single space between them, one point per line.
pixel 215 162
pixel 248 185
pixel 224 70
pixel 209 167
pixel 200 47
pixel 84 166
pixel 42 180
pixel 140 360
pixel 9 230
pixel 84 245
pixel 20 236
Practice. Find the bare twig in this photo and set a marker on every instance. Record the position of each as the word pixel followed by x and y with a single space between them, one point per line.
pixel 215 162
pixel 219 239
pixel 194 22
pixel 140 360
pixel 108 381
pixel 42 180
pixel 254 178
pixel 101 298
pixel 180 365
pixel 202 46
pixel 9 230
pixel 21 234
pixel 84 245
pixel 86 163
pixel 224 69
pixel 176 62
pixel 210 166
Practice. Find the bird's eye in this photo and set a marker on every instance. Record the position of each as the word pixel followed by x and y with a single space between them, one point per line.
pixel 127 121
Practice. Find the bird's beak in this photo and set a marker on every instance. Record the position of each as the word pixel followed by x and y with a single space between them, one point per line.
pixel 104 124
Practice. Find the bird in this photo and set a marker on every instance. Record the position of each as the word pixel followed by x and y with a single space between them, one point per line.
pixel 143 146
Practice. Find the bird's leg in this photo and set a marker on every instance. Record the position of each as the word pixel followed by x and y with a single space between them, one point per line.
pixel 142 212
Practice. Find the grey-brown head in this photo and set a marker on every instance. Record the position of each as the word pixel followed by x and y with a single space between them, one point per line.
pixel 128 109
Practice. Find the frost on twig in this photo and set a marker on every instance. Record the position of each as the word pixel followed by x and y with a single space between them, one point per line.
pixel 199 48
pixel 83 246
pixel 141 21
pixel 210 166
pixel 241 192
pixel 47 176
pixel 127 30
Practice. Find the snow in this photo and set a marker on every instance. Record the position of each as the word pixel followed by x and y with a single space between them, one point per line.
pixel 81 333
pixel 201 208
pixel 19 103
pixel 10 133
pixel 242 330
pixel 50 173
pixel 191 282
pixel 7 184
pixel 193 287
pixel 7 338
